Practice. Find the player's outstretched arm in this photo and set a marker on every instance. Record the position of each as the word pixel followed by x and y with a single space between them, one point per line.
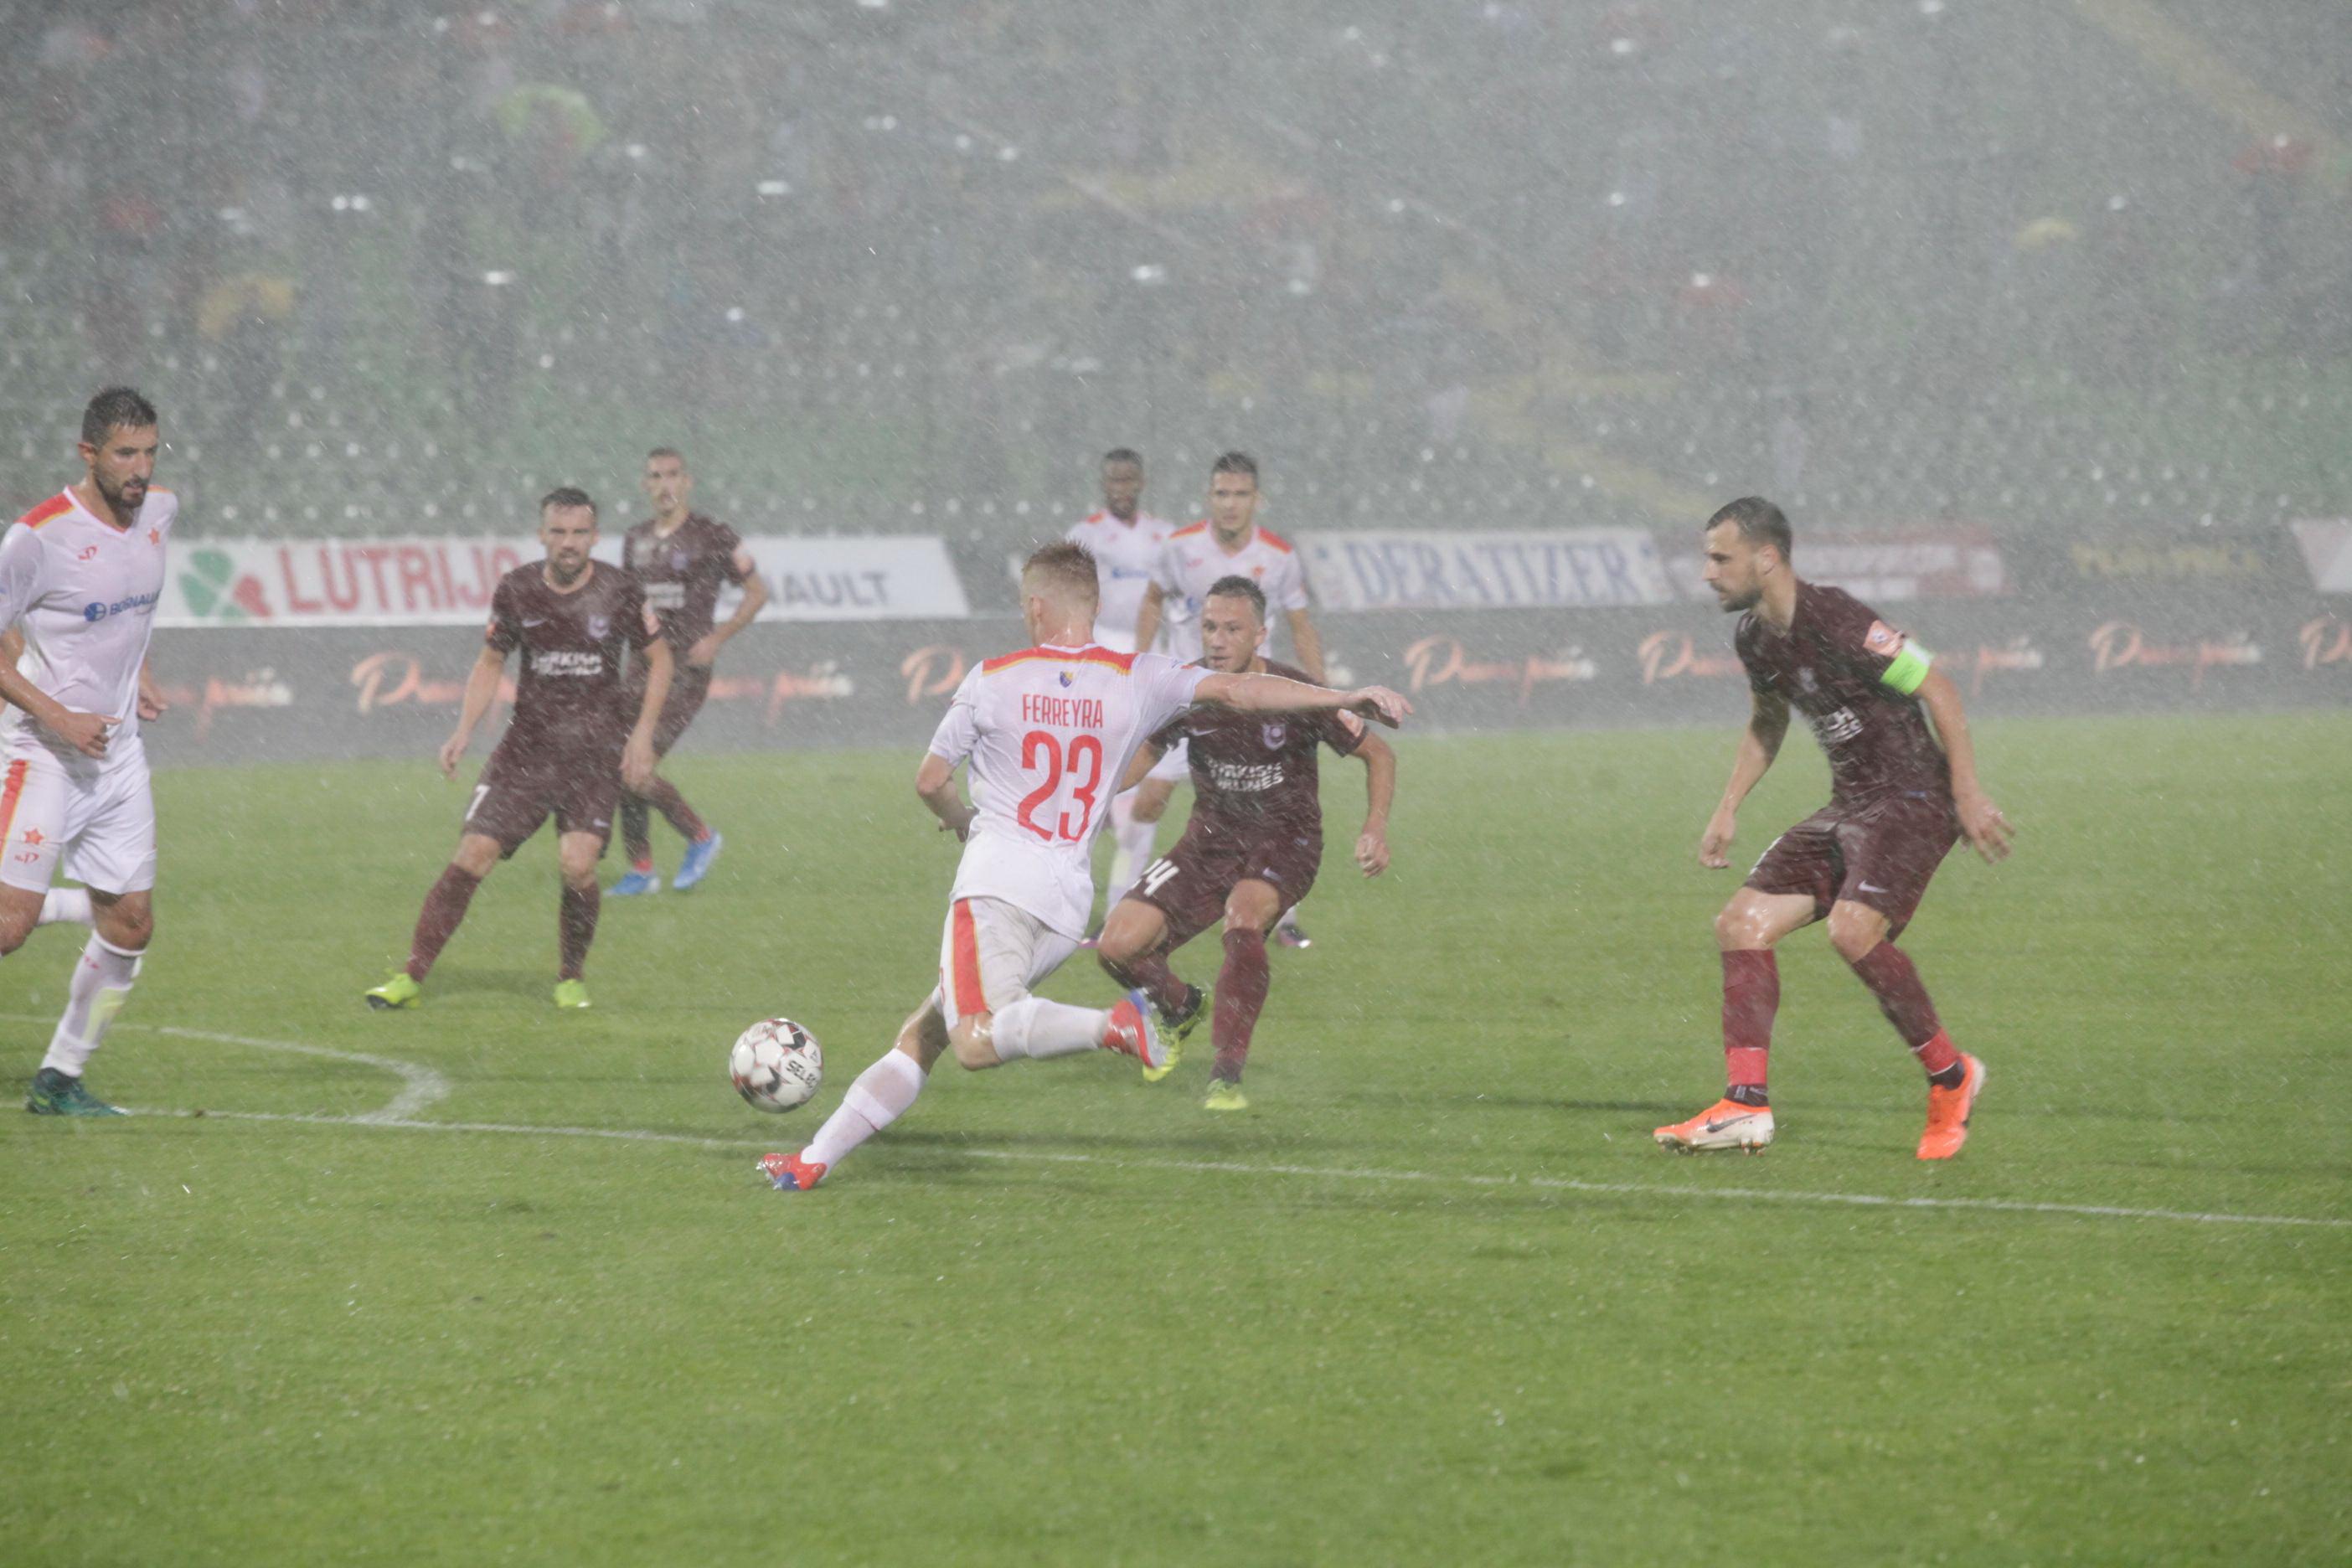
pixel 481 690
pixel 935 782
pixel 1767 725
pixel 638 757
pixel 1985 827
pixel 1147 619
pixel 1379 785
pixel 1279 694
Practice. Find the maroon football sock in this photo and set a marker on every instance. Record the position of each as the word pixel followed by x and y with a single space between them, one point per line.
pixel 1892 979
pixel 576 926
pixel 1241 995
pixel 1751 995
pixel 1151 973
pixel 664 797
pixel 636 835
pixel 444 907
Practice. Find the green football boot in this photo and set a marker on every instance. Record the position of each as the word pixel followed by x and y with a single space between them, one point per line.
pixel 1173 1029
pixel 400 991
pixel 571 993
pixel 1224 1096
pixel 55 1094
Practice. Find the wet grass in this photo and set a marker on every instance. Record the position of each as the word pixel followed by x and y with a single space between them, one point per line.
pixel 1435 1298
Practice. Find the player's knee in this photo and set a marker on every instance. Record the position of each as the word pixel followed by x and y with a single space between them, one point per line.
pixel 12 933
pixel 971 1040
pixel 579 878
pixel 1736 927
pixel 1855 931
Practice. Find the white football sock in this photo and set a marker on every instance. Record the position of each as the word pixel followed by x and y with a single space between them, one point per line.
pixel 1036 1028
pixel 65 904
pixel 102 984
pixel 879 1097
pixel 1289 920
pixel 1134 839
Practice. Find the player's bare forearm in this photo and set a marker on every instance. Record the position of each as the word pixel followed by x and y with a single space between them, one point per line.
pixel 1138 767
pixel 1308 642
pixel 1147 619
pixel 755 599
pixel 481 690
pixel 1767 724
pixel 1379 781
pixel 660 668
pixel 1987 829
pixel 1280 694
pixel 935 783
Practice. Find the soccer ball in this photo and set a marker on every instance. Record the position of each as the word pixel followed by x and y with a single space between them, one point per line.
pixel 776 1065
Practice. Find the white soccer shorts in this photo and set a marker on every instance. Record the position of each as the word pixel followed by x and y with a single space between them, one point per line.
pixel 97 824
pixel 991 954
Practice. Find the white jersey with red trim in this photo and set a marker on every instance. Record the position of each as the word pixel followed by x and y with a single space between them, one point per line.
pixel 1125 557
pixel 84 592
pixel 1049 732
pixel 1193 560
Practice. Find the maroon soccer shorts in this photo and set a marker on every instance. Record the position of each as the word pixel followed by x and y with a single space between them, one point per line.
pixel 515 795
pixel 1189 883
pixel 1882 855
pixel 690 687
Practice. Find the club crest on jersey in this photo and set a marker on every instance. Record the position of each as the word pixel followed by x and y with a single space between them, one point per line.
pixel 1066 678
pixel 599 627
pixel 1805 681
pixel 677 559
pixel 1274 735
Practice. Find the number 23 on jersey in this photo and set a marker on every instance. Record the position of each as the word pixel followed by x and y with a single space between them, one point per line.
pixel 1065 794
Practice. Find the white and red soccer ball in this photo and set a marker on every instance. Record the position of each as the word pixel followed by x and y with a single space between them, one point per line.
pixel 776 1065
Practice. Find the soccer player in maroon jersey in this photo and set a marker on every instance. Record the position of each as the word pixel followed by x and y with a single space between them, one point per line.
pixel 1899 802
pixel 681 559
pixel 565 752
pixel 1251 850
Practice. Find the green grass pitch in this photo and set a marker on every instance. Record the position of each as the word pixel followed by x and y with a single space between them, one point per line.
pixel 1436 1298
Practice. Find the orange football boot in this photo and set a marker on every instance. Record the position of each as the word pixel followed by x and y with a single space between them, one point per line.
pixel 1948 1110
pixel 1726 1125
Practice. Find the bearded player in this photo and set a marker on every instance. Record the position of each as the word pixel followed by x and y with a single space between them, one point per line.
pixel 1049 732
pixel 1125 542
pixel 1227 543
pixel 79 577
pixel 565 753
pixel 681 559
pixel 1251 850
pixel 1899 802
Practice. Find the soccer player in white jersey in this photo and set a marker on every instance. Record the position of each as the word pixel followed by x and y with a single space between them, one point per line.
pixel 1047 731
pixel 1125 542
pixel 79 576
pixel 1227 543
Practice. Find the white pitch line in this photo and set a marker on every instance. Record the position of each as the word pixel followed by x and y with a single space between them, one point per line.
pixel 1343 1174
pixel 423 1086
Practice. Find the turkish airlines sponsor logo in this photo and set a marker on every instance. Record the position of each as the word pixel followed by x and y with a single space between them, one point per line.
pixel 1671 655
pixel 1442 661
pixel 2121 645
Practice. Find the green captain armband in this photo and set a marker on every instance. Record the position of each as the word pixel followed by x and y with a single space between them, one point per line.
pixel 1909 669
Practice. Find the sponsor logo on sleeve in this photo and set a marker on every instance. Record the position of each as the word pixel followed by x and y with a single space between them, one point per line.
pixel 1883 640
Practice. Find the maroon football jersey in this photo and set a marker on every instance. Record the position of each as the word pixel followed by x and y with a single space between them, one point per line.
pixel 1256 773
pixel 1828 667
pixel 681 575
pixel 572 655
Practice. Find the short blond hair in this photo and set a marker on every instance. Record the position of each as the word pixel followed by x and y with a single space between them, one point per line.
pixel 1067 570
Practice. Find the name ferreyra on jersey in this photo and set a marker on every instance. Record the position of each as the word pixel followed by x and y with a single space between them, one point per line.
pixel 1192 560
pixel 1126 554
pixel 84 592
pixel 1048 732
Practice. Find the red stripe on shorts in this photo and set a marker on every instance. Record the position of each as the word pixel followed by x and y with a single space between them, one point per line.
pixel 970 1001
pixel 15 787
